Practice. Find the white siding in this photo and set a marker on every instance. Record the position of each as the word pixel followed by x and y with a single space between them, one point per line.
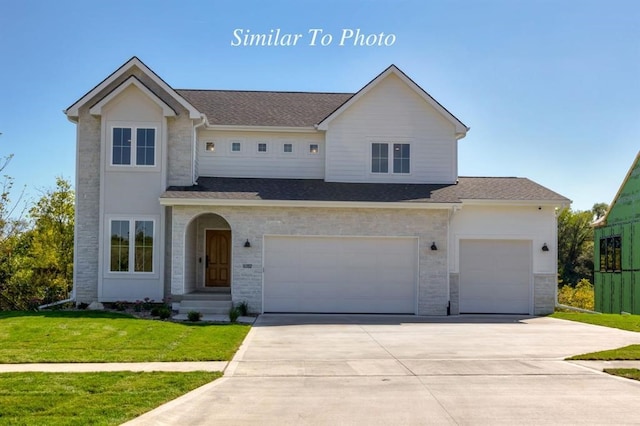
pixel 131 193
pixel 391 112
pixel 506 223
pixel 275 163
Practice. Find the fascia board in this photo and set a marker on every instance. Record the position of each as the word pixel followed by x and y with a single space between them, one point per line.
pixel 167 111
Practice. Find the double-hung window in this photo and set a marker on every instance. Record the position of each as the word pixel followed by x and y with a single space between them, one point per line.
pixel 400 153
pixel 131 146
pixel 131 245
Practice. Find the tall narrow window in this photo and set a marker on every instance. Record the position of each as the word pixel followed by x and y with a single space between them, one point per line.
pixel 145 147
pixel 143 253
pixel 617 253
pixel 401 158
pixel 121 153
pixel 611 254
pixel 379 158
pixel 119 246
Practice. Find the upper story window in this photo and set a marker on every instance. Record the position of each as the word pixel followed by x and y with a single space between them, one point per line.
pixel 611 254
pixel 380 158
pixel 314 148
pixel 133 146
pixel 235 147
pixel 287 148
pixel 262 147
pixel 401 158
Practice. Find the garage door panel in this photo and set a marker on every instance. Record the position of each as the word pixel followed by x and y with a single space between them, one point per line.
pixel 495 276
pixel 340 274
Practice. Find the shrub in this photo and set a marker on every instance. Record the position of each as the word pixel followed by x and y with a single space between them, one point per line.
pixel 234 313
pixel 194 316
pixel 165 312
pixel 580 296
pixel 119 305
pixel 243 308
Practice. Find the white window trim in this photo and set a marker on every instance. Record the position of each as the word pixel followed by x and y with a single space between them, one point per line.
pixel 313 154
pixel 231 151
pixel 132 247
pixel 293 148
pixel 266 144
pixel 390 171
pixel 134 145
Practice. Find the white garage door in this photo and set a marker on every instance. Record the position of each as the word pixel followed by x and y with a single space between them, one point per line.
pixel 495 276
pixel 340 274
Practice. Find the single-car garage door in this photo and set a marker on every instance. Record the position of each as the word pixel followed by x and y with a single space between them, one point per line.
pixel 340 274
pixel 495 276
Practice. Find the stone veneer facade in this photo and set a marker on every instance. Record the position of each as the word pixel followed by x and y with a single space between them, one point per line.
pixel 253 223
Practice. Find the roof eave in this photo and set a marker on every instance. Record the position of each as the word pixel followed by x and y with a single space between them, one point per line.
pixel 196 201
pixel 248 128
pixel 514 203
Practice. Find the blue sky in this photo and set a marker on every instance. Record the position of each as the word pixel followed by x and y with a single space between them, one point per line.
pixel 550 89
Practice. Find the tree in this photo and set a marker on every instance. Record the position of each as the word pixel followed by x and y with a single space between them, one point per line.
pixel 599 210
pixel 575 243
pixel 41 268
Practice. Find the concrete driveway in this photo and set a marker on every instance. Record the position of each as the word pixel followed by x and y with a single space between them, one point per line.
pixel 340 369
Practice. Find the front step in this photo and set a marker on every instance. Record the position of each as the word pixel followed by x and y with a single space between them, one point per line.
pixel 206 303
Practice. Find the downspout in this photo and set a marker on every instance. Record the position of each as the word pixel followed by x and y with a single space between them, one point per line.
pixel 194 178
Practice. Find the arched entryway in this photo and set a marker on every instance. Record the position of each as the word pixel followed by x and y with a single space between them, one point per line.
pixel 208 253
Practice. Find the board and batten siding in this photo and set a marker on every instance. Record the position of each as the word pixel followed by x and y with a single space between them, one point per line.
pixel 249 163
pixel 391 112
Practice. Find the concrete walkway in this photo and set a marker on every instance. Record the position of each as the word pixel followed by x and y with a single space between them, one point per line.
pixel 341 369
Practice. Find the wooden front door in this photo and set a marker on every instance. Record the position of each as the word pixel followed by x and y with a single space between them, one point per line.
pixel 218 259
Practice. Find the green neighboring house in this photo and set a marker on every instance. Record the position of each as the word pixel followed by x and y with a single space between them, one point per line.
pixel 617 249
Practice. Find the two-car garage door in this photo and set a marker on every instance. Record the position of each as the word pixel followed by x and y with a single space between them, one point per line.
pixel 495 276
pixel 340 274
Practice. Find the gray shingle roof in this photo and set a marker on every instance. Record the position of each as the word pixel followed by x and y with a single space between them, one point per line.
pixel 471 188
pixel 248 108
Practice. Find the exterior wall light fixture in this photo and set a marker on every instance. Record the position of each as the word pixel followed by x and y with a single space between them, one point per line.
pixel 434 246
pixel 545 247
pixel 247 243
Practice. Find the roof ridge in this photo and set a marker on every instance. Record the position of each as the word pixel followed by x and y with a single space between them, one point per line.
pixel 263 91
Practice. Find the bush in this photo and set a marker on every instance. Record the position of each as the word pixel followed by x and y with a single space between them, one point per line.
pixel 580 296
pixel 234 313
pixel 243 309
pixel 194 316
pixel 165 312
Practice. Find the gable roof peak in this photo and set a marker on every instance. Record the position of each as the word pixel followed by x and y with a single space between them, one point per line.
pixel 73 111
pixel 460 128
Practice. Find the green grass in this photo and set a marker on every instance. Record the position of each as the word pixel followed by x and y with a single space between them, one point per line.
pixel 89 398
pixel 627 353
pixel 629 373
pixel 86 336
pixel 623 322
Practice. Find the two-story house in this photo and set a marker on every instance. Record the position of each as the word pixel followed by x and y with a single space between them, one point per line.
pixel 299 202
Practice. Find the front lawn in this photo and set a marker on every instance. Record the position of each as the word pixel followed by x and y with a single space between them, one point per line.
pixel 92 336
pixel 623 322
pixel 89 398
pixel 629 373
pixel 627 353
